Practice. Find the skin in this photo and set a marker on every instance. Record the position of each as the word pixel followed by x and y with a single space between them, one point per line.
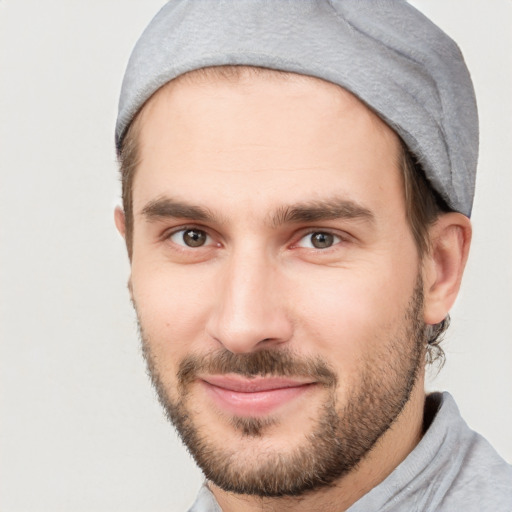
pixel 247 152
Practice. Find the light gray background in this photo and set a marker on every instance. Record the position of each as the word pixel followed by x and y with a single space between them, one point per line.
pixel 80 429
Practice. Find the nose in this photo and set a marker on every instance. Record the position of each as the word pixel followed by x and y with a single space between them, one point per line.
pixel 250 310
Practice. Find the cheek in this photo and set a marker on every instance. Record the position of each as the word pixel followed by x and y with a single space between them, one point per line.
pixel 351 313
pixel 172 306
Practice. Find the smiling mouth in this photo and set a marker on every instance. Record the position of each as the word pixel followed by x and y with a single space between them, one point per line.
pixel 258 396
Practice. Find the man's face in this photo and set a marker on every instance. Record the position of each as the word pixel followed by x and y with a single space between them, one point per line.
pixel 275 277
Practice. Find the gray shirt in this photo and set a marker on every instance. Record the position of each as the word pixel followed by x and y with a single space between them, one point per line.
pixel 452 468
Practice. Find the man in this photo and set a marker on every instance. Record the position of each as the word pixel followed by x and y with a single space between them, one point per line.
pixel 297 184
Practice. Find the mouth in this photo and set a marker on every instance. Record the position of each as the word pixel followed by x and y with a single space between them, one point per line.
pixel 255 397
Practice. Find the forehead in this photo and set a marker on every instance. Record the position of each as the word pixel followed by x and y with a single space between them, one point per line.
pixel 275 135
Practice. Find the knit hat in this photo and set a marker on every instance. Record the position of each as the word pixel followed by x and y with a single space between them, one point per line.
pixel 385 52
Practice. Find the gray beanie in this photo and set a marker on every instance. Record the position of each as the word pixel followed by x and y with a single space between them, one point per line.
pixel 384 51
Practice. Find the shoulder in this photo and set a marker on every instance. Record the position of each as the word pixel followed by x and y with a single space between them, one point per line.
pixel 482 479
pixel 483 483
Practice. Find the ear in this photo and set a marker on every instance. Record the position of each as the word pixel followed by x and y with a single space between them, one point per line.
pixel 119 219
pixel 450 238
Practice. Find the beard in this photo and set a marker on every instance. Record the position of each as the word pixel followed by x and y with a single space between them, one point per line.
pixel 341 435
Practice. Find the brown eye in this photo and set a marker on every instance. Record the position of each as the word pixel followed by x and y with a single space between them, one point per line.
pixel 194 237
pixel 190 237
pixel 321 240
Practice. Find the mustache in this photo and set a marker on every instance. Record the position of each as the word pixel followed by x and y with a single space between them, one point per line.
pixel 263 363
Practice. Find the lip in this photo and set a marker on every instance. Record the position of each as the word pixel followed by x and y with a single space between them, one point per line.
pixel 258 396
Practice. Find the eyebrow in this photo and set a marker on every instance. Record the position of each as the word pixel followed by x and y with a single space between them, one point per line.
pixel 314 211
pixel 166 207
pixel 311 211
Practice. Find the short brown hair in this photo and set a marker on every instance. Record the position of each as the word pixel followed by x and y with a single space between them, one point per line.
pixel 423 206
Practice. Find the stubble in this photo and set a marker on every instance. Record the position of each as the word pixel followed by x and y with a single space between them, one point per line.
pixel 341 435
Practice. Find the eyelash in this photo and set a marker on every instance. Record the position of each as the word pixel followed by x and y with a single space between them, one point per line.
pixel 337 238
pixel 168 235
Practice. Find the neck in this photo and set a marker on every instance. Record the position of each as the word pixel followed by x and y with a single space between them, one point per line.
pixel 389 451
